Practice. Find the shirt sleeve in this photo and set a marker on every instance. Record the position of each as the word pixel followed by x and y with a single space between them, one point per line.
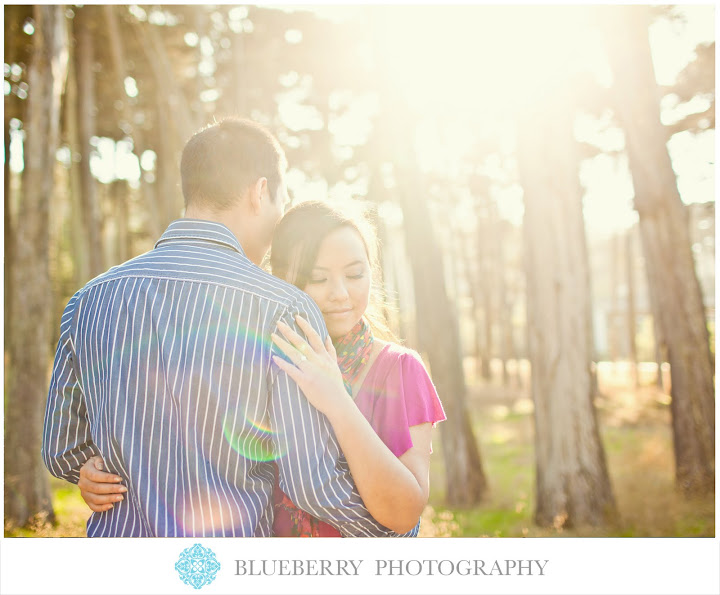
pixel 404 397
pixel 67 443
pixel 422 402
pixel 312 470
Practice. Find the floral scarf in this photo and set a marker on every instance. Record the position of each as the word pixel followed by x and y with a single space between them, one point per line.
pixel 353 351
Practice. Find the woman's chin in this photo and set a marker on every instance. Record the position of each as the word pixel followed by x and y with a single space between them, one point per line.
pixel 338 330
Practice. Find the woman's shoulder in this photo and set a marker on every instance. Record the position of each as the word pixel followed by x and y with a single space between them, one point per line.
pixel 407 377
pixel 392 353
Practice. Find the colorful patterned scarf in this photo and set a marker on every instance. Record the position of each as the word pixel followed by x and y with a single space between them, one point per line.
pixel 353 351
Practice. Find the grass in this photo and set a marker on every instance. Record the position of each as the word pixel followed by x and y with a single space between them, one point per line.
pixel 637 437
pixel 636 434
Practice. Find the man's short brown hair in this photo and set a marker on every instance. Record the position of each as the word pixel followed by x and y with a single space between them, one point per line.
pixel 222 160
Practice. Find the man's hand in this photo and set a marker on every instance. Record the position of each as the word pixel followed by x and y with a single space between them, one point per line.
pixel 99 488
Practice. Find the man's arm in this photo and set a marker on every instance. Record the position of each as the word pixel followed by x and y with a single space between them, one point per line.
pixel 313 471
pixel 67 442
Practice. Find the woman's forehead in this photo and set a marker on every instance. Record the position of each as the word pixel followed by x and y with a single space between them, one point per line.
pixel 341 247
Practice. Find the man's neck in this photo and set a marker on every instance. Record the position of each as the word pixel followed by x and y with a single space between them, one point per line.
pixel 232 218
pixel 227 218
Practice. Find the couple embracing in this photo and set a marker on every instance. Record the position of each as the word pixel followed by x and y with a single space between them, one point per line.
pixel 195 394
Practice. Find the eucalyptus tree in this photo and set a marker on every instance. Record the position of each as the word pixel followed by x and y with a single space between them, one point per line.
pixel 673 284
pixel 27 493
pixel 572 480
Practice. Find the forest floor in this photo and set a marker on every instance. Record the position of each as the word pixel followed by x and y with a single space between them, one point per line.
pixel 635 428
pixel 636 433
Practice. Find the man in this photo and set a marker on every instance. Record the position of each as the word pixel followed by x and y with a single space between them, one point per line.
pixel 163 367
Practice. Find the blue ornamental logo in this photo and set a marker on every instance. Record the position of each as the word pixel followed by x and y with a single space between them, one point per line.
pixel 197 566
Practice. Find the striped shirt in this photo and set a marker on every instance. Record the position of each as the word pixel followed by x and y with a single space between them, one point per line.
pixel 163 368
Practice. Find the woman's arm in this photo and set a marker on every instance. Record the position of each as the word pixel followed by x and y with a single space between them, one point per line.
pixel 394 490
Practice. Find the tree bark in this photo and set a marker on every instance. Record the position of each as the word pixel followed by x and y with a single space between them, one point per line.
pixel 78 234
pixel 27 493
pixel 504 307
pixel 573 486
pixel 631 326
pixel 485 255
pixel 467 254
pixel 8 227
pixel 438 336
pixel 84 59
pixel 672 280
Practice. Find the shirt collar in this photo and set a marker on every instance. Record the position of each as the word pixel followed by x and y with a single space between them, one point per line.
pixel 200 230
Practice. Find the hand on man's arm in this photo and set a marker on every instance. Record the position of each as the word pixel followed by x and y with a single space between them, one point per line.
pixel 313 472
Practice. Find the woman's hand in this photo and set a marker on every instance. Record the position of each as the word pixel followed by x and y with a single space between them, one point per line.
pixel 315 368
pixel 99 488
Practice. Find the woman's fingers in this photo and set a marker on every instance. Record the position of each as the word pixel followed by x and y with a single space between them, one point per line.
pixel 292 371
pixel 313 338
pixel 291 351
pixel 295 340
pixel 330 348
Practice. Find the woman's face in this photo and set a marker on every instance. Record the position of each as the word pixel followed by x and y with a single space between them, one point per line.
pixel 340 280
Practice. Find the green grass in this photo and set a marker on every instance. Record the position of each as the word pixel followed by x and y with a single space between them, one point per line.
pixel 637 438
pixel 71 514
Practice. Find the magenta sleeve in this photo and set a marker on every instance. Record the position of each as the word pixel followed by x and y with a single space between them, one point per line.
pixel 421 399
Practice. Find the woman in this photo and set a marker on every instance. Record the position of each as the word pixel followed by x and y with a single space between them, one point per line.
pixel 375 393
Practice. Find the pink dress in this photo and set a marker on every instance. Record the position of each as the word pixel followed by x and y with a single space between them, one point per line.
pixel 397 393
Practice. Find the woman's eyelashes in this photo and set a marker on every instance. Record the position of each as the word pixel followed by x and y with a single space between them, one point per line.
pixel 318 280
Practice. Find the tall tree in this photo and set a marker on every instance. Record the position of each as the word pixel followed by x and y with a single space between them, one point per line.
pixel 438 336
pixel 672 281
pixel 573 486
pixel 436 318
pixel 631 323
pixel 27 493
pixel 85 40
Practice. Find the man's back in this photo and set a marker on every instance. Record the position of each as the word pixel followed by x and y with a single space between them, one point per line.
pixel 164 369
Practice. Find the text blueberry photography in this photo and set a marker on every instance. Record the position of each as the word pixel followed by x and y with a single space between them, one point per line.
pixel 197 566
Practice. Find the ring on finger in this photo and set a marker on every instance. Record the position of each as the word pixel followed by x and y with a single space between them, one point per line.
pixel 303 357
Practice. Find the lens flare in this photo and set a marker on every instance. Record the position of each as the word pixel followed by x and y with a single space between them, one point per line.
pixel 253 441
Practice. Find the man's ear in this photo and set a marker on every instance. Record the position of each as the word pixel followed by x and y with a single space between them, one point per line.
pixel 257 190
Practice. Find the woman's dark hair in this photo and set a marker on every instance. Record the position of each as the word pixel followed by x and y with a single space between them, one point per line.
pixel 222 160
pixel 296 242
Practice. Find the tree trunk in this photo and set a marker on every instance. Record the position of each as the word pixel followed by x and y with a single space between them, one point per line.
pixel 573 486
pixel 438 336
pixel 78 234
pixel 7 227
pixel 84 60
pixel 614 342
pixel 471 273
pixel 119 198
pixel 485 282
pixel 659 357
pixel 27 493
pixel 504 307
pixel 672 280
pixel 631 327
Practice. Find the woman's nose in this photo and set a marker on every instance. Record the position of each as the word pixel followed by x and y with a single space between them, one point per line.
pixel 338 291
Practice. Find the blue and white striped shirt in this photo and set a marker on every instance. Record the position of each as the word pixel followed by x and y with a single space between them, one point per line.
pixel 163 368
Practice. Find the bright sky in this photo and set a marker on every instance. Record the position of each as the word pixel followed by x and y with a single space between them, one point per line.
pixel 428 39
pixel 458 101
